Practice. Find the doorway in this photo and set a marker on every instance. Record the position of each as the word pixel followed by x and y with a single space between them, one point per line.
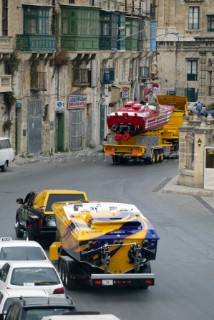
pixel 59 141
pixel 102 123
pixel 209 168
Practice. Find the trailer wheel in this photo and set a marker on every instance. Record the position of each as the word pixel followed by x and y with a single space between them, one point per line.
pixel 71 282
pixel 61 269
pixel 66 270
pixel 146 268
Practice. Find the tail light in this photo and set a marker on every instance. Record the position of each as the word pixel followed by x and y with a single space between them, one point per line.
pixel 40 222
pixel 59 291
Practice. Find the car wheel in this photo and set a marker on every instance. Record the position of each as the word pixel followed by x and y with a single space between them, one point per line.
pixel 19 232
pixel 4 167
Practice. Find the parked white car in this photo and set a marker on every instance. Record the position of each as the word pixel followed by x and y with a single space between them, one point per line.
pixel 13 250
pixel 7 295
pixel 31 274
pixel 6 153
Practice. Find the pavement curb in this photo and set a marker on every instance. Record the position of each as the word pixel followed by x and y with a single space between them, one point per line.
pixel 173 187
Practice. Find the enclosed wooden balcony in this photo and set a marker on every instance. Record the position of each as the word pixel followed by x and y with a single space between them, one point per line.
pixel 36 43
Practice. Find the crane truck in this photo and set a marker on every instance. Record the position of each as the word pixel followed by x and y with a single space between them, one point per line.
pixel 146 133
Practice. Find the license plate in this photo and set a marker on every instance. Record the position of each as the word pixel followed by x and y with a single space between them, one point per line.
pixel 5 239
pixel 107 282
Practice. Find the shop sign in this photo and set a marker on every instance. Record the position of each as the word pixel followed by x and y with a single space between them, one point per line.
pixel 125 92
pixel 77 101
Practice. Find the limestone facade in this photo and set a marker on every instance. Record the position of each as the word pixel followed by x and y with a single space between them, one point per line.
pixel 195 136
pixel 185 43
pixel 42 118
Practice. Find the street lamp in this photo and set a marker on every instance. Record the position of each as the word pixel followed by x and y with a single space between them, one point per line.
pixel 199 142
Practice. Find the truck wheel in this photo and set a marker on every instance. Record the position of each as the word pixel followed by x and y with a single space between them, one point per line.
pixel 19 232
pixel 146 268
pixel 153 159
pixel 116 159
pixel 161 158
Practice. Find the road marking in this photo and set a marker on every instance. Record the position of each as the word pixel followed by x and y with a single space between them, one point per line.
pixel 205 204
pixel 161 185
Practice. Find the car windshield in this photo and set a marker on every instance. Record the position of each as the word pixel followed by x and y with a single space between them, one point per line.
pixel 39 313
pixel 61 198
pixel 22 253
pixel 34 276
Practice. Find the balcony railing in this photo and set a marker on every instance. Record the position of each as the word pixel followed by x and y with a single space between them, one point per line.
pixel 191 77
pixel 5 83
pixel 6 45
pixel 36 43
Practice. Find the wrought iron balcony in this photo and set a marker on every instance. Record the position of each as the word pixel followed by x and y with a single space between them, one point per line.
pixel 5 83
pixel 35 43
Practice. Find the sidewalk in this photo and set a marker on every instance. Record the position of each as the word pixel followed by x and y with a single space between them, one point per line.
pixel 173 187
pixel 81 155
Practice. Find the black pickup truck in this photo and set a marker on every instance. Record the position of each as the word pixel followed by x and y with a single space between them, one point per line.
pixel 35 218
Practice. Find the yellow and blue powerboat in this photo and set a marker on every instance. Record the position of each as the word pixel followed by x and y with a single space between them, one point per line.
pixel 112 238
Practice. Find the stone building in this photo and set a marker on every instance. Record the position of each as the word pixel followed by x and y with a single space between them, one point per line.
pixel 185 45
pixel 185 66
pixel 196 152
pixel 65 65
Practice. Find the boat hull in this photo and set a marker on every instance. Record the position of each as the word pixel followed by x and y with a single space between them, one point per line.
pixel 118 237
pixel 135 118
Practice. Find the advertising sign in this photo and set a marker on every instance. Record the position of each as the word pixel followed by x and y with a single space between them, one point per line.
pixel 125 92
pixel 77 101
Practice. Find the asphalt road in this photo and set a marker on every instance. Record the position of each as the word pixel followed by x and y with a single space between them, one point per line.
pixel 184 267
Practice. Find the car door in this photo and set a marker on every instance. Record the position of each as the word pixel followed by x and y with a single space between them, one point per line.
pixel 25 209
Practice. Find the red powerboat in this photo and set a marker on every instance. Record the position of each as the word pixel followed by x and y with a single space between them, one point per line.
pixel 134 118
